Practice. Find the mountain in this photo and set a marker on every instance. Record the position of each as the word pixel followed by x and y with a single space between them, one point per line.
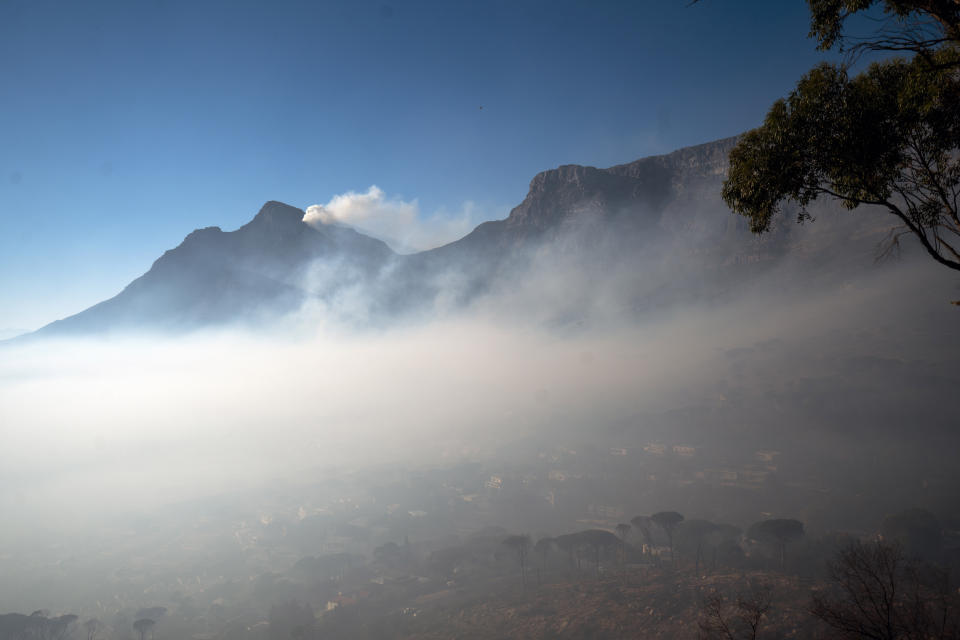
pixel 658 221
pixel 215 277
pixel 572 197
pixel 660 217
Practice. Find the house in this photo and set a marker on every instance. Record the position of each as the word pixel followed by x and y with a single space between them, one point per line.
pixel 605 511
pixel 766 456
pixel 684 451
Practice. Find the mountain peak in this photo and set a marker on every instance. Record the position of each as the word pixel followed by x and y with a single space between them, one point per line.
pixel 278 216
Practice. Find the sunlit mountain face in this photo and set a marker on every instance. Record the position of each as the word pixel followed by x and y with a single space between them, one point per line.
pixel 521 374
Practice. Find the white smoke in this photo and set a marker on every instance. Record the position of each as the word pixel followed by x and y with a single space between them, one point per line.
pixel 396 221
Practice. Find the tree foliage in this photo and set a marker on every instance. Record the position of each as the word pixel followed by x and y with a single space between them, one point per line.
pixel 642 525
pixel 544 547
pixel 143 626
pixel 37 626
pixel 590 543
pixel 668 521
pixel 92 628
pixel 917 531
pixel 598 540
pixel 918 26
pixel 691 536
pixel 779 531
pixel 887 137
pixel 520 544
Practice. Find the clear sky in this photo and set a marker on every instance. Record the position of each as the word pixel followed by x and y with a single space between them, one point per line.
pixel 125 125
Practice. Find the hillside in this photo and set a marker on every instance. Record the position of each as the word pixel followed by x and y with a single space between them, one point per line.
pixel 637 605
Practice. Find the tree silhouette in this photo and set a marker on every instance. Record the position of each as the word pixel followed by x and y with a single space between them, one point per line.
pixel 597 540
pixel 570 543
pixel 642 525
pixel 593 541
pixel 60 627
pixel 916 530
pixel 151 612
pixel 778 531
pixel 917 26
pixel 520 544
pixel 142 626
pixel 668 521
pixel 37 626
pixel 544 546
pixel 92 627
pixel 878 593
pixel 724 542
pixel 694 533
pixel 623 530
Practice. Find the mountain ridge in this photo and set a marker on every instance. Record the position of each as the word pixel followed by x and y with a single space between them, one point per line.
pixel 215 276
pixel 583 214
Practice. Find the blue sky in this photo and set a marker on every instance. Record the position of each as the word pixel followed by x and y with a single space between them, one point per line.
pixel 125 125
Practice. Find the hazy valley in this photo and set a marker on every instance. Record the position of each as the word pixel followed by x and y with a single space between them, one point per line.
pixel 291 425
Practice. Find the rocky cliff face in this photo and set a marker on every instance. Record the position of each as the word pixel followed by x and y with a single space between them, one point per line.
pixel 630 195
pixel 640 187
pixel 620 214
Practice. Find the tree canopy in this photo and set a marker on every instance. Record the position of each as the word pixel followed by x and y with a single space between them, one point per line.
pixel 779 531
pixel 143 626
pixel 668 521
pixel 886 137
pixel 691 535
pixel 919 26
pixel 917 531
pixel 776 528
pixel 38 625
pixel 520 544
pixel 642 525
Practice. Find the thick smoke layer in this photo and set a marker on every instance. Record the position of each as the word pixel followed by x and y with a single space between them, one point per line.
pixel 398 222
pixel 159 419
pixel 846 372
